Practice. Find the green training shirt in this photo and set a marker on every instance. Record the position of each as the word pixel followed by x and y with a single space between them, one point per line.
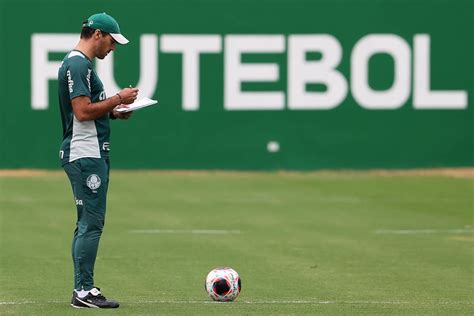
pixel 76 77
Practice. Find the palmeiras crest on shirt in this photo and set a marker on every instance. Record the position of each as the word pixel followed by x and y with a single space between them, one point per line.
pixel 93 182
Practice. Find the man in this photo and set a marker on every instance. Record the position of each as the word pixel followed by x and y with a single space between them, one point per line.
pixel 84 154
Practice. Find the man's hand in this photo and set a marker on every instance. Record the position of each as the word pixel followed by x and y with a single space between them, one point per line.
pixel 121 115
pixel 128 95
pixel 85 110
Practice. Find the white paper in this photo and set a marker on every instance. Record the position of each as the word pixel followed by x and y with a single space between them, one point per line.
pixel 138 104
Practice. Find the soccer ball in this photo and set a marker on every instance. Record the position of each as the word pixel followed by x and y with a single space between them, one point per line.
pixel 223 284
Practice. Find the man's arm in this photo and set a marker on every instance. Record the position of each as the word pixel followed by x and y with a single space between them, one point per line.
pixel 85 110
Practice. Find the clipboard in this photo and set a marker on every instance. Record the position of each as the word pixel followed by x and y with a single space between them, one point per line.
pixel 138 104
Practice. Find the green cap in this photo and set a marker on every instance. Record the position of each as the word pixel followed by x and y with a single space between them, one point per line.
pixel 106 23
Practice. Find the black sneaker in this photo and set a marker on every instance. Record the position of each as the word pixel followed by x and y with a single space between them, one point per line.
pixel 75 303
pixel 96 300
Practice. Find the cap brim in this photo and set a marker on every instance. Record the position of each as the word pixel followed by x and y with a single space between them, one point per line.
pixel 119 38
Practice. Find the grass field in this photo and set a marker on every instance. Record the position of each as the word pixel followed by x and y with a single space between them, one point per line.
pixel 303 243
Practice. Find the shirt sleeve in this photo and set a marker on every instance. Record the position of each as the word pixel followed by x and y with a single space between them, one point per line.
pixel 79 78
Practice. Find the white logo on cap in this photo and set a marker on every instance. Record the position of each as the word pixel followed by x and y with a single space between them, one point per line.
pixel 91 22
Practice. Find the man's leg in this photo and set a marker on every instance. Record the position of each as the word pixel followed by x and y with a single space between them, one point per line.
pixel 94 173
pixel 73 172
pixel 90 190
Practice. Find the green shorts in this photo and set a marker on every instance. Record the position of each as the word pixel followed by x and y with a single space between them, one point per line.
pixel 89 179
